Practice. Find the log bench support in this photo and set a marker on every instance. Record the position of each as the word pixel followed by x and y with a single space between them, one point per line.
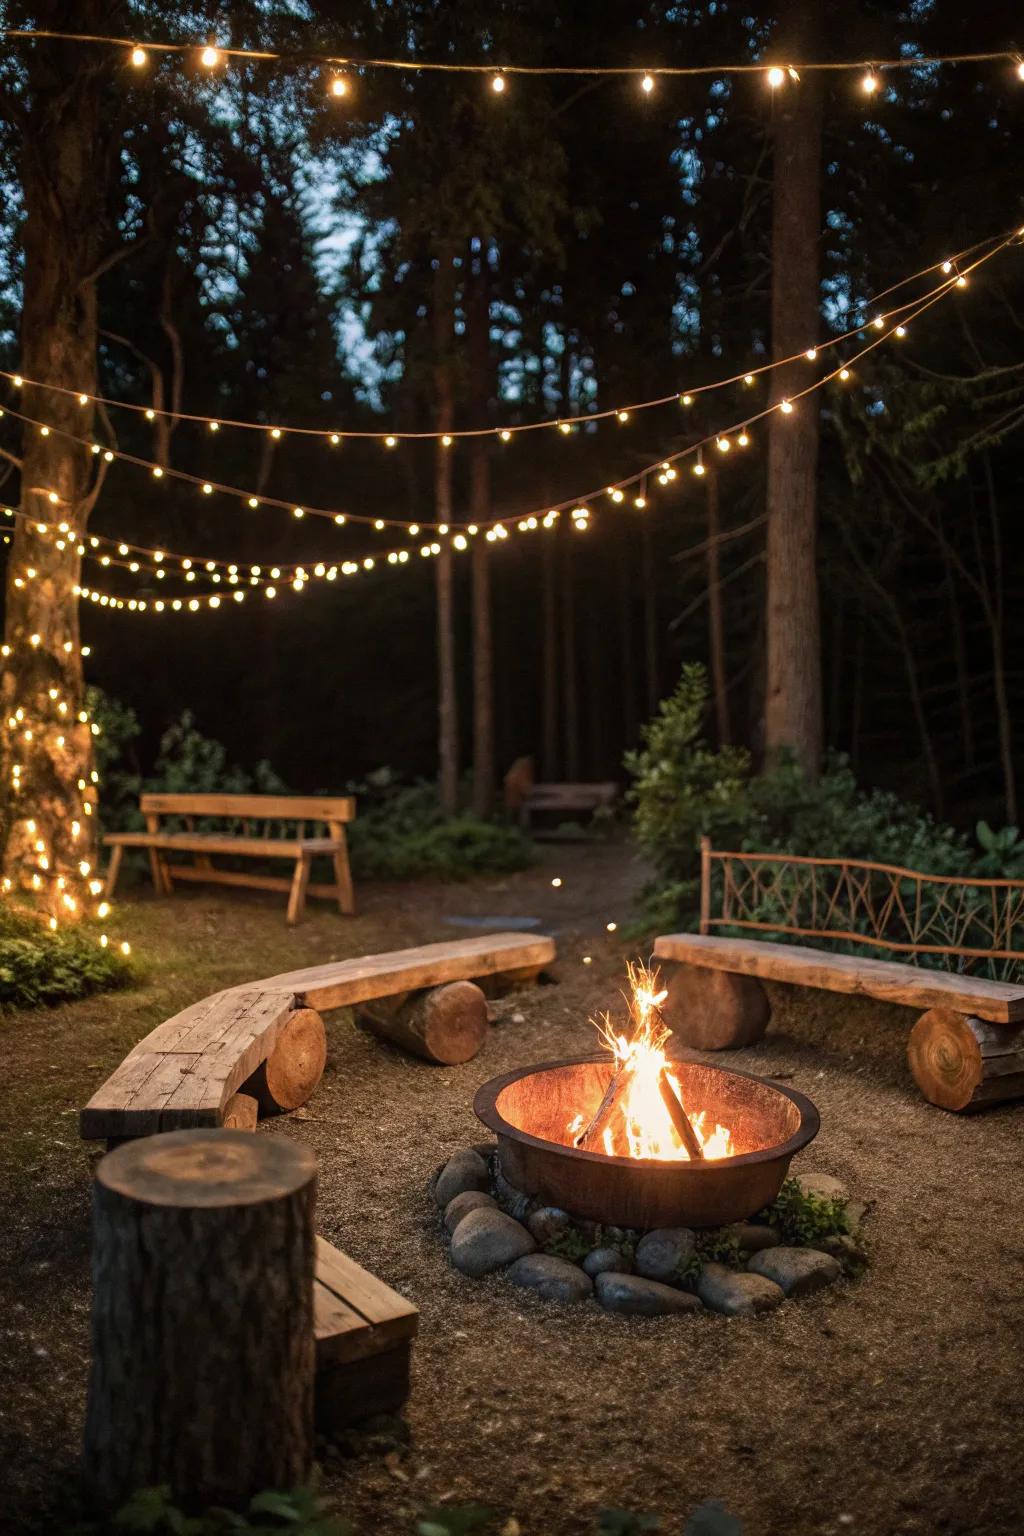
pixel 966 1052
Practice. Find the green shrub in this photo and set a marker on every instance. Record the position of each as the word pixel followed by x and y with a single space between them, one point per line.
pixel 39 968
pixel 402 834
pixel 683 789
pixel 801 1217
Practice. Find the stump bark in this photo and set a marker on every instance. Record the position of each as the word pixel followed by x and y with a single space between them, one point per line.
pixel 713 1010
pixel 962 1063
pixel 446 1025
pixel 202 1322
pixel 294 1067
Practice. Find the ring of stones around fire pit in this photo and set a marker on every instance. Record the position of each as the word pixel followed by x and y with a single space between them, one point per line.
pixel 740 1270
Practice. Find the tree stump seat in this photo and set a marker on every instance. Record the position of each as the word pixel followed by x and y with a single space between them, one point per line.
pixel 966 1051
pixel 261 1047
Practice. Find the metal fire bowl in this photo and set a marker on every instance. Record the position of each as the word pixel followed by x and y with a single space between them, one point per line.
pixel 529 1109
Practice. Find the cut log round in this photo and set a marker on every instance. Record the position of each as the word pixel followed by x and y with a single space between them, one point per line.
pixel 713 1010
pixel 446 1025
pixel 503 982
pixel 960 1062
pixel 202 1322
pixel 295 1065
pixel 241 1113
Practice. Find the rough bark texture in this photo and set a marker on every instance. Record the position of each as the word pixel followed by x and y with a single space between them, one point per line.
pixel 793 705
pixel 447 701
pixel 963 1063
pixel 716 618
pixel 480 511
pixel 202 1327
pixel 294 1067
pixel 549 662
pixel 65 160
pixel 445 1025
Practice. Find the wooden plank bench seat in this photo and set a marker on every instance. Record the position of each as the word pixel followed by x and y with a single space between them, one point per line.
pixel 263 1046
pixel 364 1335
pixel 965 1051
pixel 300 850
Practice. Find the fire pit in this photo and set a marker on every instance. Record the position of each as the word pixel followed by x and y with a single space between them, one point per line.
pixel 638 1140
pixel 532 1112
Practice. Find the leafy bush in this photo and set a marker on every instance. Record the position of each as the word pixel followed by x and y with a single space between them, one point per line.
pixel 801 1217
pixel 683 789
pixel 402 834
pixel 40 968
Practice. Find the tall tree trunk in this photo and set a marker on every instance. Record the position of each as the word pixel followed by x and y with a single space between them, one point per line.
pixel 549 663
pixel 994 606
pixel 716 623
pixel 570 692
pixel 47 788
pixel 480 383
pixel 649 579
pixel 627 658
pixel 793 705
pixel 447 698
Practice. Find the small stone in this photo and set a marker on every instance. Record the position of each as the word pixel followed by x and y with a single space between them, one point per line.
pixel 548 1223
pixel 638 1297
pixel 469 1200
pixel 737 1295
pixel 846 1249
pixel 485 1240
pixel 606 1261
pixel 799 1271
pixel 553 1278
pixel 663 1254
pixel 752 1236
pixel 821 1184
pixel 855 1211
pixel 466 1170
pixel 485 1149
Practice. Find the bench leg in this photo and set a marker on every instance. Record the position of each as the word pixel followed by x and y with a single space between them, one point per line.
pixel 113 870
pixel 158 870
pixel 297 894
pixel 343 877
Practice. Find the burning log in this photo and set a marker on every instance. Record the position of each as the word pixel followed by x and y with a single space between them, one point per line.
pixel 588 1140
pixel 680 1119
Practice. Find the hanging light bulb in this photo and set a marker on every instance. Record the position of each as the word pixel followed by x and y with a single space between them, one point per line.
pixel 647 84
pixel 776 77
pixel 869 83
pixel 1020 69
pixel 210 57
pixel 339 86
pixel 498 83
pixel 139 57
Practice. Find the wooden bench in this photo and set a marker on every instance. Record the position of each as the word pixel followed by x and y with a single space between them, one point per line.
pixel 524 797
pixel 364 1335
pixel 261 1047
pixel 265 810
pixel 966 1051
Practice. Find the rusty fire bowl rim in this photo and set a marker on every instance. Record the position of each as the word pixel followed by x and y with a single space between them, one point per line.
pixel 485 1107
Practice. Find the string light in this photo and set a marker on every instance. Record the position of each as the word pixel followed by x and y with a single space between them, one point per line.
pixel 139 57
pixel 210 57
pixel 498 84
pixel 339 86
pixel 776 77
pixel 647 84
pixel 869 84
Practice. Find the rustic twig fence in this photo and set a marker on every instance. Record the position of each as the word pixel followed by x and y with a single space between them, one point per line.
pixel 957 923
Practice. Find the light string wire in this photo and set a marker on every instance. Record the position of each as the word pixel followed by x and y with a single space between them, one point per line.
pixel 301 58
pixel 664 469
pixel 210 487
pixel 337 436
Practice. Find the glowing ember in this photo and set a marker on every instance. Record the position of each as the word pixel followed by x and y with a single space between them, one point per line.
pixel 640 1123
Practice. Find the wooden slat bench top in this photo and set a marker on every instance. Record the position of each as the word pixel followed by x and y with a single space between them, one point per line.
pixel 343 982
pixel 258 807
pixel 889 980
pixel 184 1072
pixel 224 842
pixel 355 1315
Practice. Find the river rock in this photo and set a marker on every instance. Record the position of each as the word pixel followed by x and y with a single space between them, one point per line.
pixel 553 1278
pixel 737 1294
pixel 548 1223
pixel 821 1184
pixel 842 1247
pixel 606 1261
pixel 752 1236
pixel 486 1239
pixel 638 1297
pixel 469 1200
pixel 799 1271
pixel 664 1253
pixel 466 1170
pixel 855 1212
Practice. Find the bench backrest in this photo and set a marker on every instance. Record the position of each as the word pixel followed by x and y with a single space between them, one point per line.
pixel 957 922
pixel 571 796
pixel 324 808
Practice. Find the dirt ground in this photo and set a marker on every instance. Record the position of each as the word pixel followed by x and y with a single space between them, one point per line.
pixel 892 1404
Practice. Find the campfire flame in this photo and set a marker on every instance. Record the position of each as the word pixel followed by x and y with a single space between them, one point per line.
pixel 641 1124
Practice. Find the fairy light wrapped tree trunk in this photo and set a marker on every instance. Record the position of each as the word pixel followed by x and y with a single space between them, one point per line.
pixel 48 788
